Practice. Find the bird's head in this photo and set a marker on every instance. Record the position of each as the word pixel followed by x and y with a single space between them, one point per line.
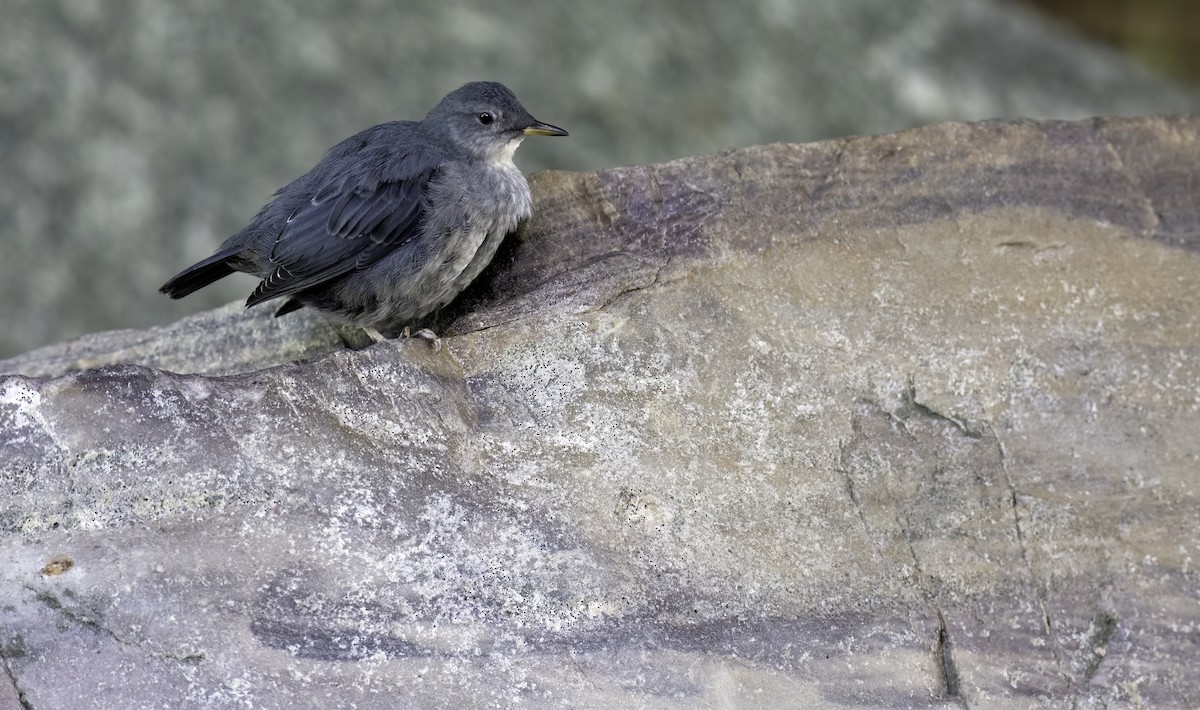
pixel 485 119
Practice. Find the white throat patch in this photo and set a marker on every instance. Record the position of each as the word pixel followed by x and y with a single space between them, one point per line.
pixel 504 156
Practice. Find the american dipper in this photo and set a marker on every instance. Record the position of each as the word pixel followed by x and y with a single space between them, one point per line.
pixel 394 221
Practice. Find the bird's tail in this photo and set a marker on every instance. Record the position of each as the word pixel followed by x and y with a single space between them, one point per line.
pixel 201 274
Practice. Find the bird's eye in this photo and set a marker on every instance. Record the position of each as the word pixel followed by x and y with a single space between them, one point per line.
pixel 486 118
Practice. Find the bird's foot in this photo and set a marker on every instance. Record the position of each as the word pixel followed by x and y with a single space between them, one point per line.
pixel 425 334
pixel 373 334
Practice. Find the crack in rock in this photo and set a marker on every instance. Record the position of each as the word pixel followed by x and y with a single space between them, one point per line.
pixel 639 285
pixel 82 617
pixel 911 405
pixel 1040 594
pixel 1104 625
pixel 5 655
pixel 944 650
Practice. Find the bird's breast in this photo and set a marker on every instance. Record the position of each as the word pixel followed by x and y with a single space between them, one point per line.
pixel 510 190
pixel 470 207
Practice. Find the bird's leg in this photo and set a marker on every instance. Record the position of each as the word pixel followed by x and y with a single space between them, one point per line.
pixel 373 334
pixel 425 334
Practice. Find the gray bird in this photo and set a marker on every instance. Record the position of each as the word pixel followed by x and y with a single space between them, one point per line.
pixel 394 222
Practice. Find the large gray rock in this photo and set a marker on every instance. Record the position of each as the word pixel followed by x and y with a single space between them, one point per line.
pixel 906 421
pixel 137 134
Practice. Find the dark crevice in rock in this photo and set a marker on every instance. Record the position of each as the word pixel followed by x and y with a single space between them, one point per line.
pixel 1104 625
pixel 490 326
pixel 944 652
pixel 844 467
pixel 948 674
pixel 71 613
pixel 1040 593
pixel 862 517
pixel 7 653
pixel 640 285
pixel 82 616
pixel 910 406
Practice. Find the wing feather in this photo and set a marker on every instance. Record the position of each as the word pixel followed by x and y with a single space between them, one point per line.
pixel 351 222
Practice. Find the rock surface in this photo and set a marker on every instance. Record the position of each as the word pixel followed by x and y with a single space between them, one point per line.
pixel 138 134
pixel 906 421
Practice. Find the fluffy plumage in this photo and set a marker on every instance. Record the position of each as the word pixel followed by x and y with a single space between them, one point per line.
pixel 394 221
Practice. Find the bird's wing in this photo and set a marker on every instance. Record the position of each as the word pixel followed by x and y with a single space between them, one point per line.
pixel 350 222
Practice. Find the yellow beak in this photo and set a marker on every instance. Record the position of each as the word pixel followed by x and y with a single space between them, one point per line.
pixel 544 129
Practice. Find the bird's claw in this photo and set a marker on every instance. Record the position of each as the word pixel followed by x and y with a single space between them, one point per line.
pixel 425 334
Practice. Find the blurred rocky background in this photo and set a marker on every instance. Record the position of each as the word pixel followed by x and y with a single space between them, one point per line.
pixel 138 134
